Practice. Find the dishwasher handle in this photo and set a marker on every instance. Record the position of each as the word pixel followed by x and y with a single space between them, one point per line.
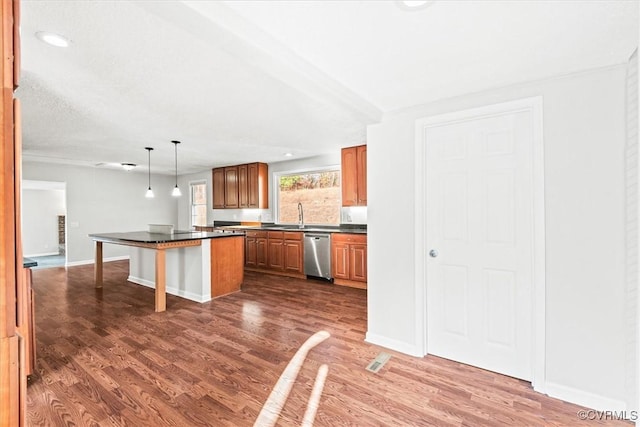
pixel 316 236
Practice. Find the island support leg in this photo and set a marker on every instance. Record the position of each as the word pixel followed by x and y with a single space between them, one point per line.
pixel 97 268
pixel 161 280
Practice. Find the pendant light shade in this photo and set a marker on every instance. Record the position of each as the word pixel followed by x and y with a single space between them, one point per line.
pixel 149 193
pixel 176 191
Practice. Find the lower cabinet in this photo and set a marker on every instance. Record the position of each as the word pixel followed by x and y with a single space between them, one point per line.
pixel 255 249
pixel 261 251
pixel 275 252
pixel 281 252
pixel 349 259
pixel 293 255
pixel 275 242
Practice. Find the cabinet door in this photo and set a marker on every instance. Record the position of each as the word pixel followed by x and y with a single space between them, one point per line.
pixel 250 252
pixel 293 256
pixel 243 186
pixel 276 254
pixel 340 260
pixel 261 252
pixel 358 262
pixel 349 176
pixel 361 174
pixel 218 188
pixel 231 187
pixel 258 179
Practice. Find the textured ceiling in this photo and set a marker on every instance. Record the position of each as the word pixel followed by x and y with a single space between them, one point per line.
pixel 248 81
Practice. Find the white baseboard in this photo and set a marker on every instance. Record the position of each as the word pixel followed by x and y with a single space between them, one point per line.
pixel 42 254
pixel 392 344
pixel 584 398
pixel 91 261
pixel 171 290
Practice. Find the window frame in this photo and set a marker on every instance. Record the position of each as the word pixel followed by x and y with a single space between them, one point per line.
pixel 300 171
pixel 191 204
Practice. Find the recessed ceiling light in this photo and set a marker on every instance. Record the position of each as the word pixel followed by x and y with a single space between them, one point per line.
pixel 128 166
pixel 288 154
pixel 414 4
pixel 53 39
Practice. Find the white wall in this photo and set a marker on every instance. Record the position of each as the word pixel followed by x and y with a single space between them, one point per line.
pixel 584 135
pixel 40 210
pixel 184 202
pixel 357 215
pixel 105 200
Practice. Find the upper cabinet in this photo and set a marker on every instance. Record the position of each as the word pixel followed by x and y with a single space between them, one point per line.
pixel 354 176
pixel 231 187
pixel 257 186
pixel 241 186
pixel 218 188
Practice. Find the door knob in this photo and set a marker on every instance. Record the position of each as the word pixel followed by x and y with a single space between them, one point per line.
pixel 433 253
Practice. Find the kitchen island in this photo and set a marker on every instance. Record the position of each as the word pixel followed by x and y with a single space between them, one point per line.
pixel 199 265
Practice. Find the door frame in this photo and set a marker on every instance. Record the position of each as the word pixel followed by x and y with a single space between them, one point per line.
pixel 538 336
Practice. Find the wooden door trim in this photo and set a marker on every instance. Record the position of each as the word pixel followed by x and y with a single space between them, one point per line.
pixel 538 335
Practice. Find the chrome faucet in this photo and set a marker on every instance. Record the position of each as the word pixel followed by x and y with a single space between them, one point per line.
pixel 300 216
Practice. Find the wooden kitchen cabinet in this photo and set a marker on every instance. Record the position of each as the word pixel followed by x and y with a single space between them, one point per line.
pixel 354 176
pixel 275 252
pixel 257 186
pixel 349 259
pixel 340 260
pixel 262 254
pixel 241 186
pixel 358 262
pixel 218 188
pixel 250 251
pixel 255 249
pixel 231 187
pixel 293 255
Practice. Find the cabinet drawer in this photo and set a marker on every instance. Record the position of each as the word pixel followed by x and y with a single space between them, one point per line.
pixel 349 238
pixel 292 235
pixel 262 234
pixel 275 234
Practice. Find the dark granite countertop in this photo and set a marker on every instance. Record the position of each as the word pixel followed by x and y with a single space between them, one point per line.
pixel 343 228
pixel 28 263
pixel 146 237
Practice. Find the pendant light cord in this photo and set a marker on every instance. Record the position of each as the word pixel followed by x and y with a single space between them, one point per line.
pixel 149 163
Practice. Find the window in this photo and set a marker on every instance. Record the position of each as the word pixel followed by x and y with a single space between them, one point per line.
pixel 318 192
pixel 198 192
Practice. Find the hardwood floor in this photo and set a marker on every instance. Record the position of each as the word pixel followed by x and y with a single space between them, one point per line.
pixel 105 358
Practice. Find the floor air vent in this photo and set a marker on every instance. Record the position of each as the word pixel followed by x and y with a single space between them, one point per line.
pixel 378 362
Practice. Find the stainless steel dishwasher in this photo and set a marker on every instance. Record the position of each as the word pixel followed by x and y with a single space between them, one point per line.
pixel 317 255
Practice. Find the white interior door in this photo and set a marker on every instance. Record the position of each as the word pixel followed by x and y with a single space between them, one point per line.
pixel 479 225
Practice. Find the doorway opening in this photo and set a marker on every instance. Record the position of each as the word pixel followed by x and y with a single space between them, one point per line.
pixel 44 213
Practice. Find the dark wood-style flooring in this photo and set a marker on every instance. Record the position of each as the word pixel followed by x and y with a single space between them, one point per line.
pixel 105 358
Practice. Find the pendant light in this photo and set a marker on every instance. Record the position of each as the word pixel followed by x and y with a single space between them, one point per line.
pixel 149 193
pixel 176 191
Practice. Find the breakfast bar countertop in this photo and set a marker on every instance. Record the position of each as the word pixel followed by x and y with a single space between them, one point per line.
pixel 158 260
pixel 147 237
